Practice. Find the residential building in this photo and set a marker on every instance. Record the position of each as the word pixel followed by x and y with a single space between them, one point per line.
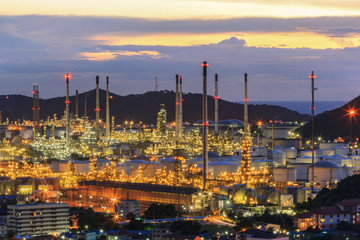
pixel 159 233
pixel 124 207
pixel 38 219
pixel 304 220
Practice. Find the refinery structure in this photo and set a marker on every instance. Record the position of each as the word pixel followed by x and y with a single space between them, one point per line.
pixel 199 167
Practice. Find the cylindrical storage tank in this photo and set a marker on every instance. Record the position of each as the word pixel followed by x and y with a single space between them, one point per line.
pixel 357 152
pixel 64 166
pixel 284 174
pixel 169 163
pixel 328 152
pixel 319 152
pixel 305 159
pixel 123 167
pixel 341 150
pixel 279 158
pixel 101 163
pixel 261 163
pixel 290 152
pixel 287 200
pixel 261 151
pixel 223 166
pixel 150 168
pixel 326 172
pixel 303 194
pixel 81 166
pixel 305 153
pixel 234 160
pixel 194 161
pixel 346 172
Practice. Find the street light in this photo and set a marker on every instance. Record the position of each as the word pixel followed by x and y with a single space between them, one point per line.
pixel 352 112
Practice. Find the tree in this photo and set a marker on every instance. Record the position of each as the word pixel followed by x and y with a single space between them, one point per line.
pixel 130 216
pixel 135 225
pixel 158 211
pixel 185 227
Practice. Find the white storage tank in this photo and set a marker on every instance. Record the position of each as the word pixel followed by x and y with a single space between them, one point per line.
pixel 326 172
pixel 223 166
pixel 261 163
pixel 290 153
pixel 284 174
pixel 81 166
pixel 287 200
pixel 319 152
pixel 305 159
pixel 194 161
pixel 328 152
pixel 101 163
pixel 123 167
pixel 305 153
pixel 234 160
pixel 279 158
pixel 169 163
pixel 342 150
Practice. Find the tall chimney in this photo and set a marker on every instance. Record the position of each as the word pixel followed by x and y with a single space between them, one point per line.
pixel 177 110
pixel 156 83
pixel 36 107
pixel 76 103
pixel 246 130
pixel 67 103
pixel 107 109
pixel 216 97
pixel 205 126
pixel 85 105
pixel 181 109
pixel 97 110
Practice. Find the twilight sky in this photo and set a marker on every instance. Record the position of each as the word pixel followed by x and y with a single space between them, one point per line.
pixel 277 44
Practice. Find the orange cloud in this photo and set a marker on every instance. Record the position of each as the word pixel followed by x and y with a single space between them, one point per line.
pixel 108 55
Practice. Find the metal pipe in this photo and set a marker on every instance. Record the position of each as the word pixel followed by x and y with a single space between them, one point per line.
pixel 180 108
pixel 76 103
pixel 246 130
pixel 312 128
pixel 67 103
pixel 107 109
pixel 177 110
pixel 216 97
pixel 205 127
pixel 97 110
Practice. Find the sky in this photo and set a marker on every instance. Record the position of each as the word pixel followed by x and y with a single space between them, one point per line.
pixel 278 43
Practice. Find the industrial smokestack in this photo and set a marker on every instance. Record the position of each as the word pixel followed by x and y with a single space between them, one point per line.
pixel 216 97
pixel 76 103
pixel 67 103
pixel 246 130
pixel 97 110
pixel 177 110
pixel 107 109
pixel 205 126
pixel 36 107
pixel 181 109
pixel 85 105
pixel 156 83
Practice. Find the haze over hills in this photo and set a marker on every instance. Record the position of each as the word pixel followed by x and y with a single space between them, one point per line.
pixel 335 123
pixel 143 107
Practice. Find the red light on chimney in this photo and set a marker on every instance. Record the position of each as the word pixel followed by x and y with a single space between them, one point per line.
pixel 67 76
pixel 216 97
pixel 312 76
pixel 204 64
pixel 67 102
pixel 97 109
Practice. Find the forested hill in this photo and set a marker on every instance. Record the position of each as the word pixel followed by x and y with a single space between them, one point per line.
pixel 144 107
